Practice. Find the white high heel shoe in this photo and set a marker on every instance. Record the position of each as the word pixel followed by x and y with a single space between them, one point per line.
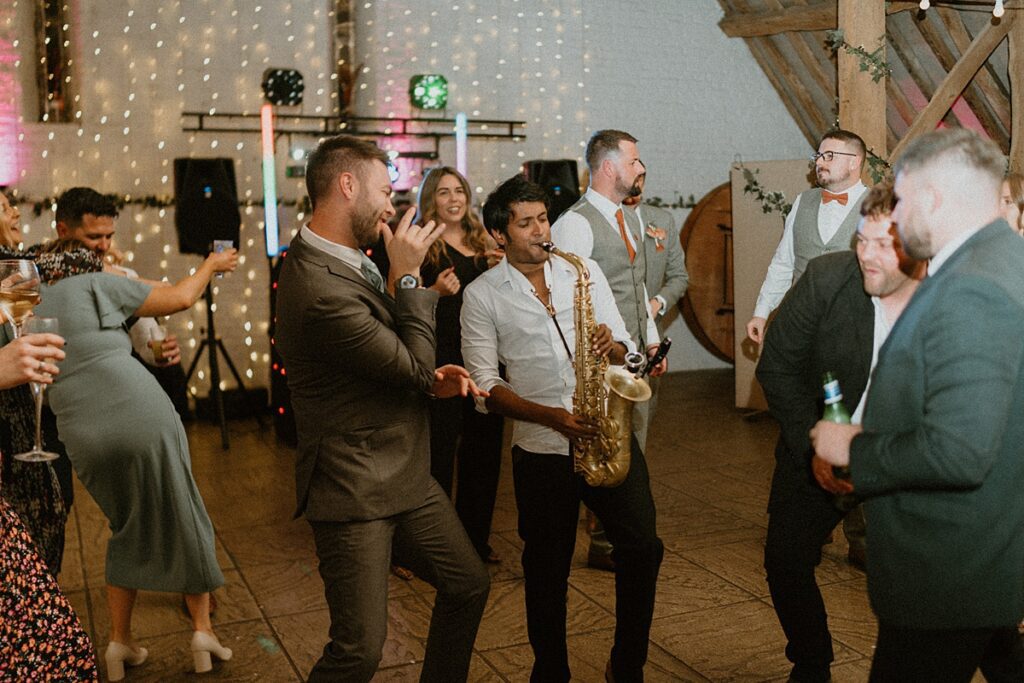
pixel 206 644
pixel 119 654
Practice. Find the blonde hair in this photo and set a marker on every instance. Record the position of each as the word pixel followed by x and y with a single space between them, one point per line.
pixel 426 210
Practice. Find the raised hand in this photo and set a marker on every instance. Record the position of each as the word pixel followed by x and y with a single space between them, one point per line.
pixel 407 245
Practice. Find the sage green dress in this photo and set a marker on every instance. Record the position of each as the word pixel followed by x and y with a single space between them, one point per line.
pixel 126 442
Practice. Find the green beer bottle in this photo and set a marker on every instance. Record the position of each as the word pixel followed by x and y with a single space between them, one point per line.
pixel 836 412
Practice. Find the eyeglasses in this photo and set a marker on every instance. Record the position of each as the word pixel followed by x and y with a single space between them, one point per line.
pixel 828 156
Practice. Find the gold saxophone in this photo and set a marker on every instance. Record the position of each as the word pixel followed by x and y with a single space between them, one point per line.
pixel 604 394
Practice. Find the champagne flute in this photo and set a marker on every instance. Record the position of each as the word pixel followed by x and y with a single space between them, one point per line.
pixel 19 291
pixel 37 454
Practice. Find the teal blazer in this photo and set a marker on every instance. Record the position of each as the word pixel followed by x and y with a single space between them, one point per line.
pixel 941 459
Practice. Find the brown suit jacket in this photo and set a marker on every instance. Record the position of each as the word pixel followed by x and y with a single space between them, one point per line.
pixel 359 365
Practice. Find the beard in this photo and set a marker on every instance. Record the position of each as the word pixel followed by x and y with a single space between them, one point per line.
pixel 364 227
pixel 635 190
pixel 917 244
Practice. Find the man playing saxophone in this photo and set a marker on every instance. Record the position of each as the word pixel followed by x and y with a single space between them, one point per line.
pixel 522 313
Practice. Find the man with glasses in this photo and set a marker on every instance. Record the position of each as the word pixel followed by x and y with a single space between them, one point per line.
pixel 822 220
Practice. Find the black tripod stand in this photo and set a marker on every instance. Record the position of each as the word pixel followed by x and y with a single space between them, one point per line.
pixel 213 343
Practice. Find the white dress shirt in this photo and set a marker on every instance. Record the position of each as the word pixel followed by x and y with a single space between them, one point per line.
pixel 571 232
pixel 503 321
pixel 779 278
pixel 882 327
pixel 347 255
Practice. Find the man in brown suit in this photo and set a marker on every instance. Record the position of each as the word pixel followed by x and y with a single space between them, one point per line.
pixel 360 368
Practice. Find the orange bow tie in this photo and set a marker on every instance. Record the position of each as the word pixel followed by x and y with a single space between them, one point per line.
pixel 827 197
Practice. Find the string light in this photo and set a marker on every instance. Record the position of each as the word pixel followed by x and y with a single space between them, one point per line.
pixel 144 64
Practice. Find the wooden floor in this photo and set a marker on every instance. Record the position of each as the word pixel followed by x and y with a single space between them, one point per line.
pixel 710 470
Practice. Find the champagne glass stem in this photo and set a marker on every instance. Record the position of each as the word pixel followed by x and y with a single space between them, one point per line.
pixel 39 389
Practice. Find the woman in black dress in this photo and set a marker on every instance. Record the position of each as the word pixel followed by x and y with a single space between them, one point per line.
pixel 465 445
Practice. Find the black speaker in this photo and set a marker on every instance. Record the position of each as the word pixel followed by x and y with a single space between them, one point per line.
pixel 206 203
pixel 560 181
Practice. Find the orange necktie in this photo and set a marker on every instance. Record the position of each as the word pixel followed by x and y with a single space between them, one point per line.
pixel 622 231
pixel 827 197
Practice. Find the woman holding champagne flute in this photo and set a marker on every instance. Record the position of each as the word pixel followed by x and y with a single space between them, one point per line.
pixel 129 449
pixel 32 489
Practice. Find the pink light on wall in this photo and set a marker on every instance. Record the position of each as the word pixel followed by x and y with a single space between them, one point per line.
pixel 10 96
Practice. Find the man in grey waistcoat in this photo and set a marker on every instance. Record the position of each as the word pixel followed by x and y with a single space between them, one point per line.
pixel 600 227
pixel 821 221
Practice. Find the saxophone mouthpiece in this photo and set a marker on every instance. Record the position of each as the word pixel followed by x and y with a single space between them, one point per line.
pixel 547 246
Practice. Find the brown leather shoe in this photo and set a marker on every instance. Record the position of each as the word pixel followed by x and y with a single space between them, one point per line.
pixel 601 561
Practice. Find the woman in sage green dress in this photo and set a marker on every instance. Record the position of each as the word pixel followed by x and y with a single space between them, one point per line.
pixel 128 447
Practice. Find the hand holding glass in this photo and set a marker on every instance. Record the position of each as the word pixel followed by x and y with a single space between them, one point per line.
pixel 157 335
pixel 37 454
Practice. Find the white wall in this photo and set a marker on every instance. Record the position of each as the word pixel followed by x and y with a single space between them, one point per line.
pixel 660 69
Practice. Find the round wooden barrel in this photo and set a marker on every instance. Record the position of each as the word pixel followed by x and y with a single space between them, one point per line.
pixel 707 306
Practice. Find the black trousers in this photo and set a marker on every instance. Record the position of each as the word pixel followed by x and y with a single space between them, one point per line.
pixel 548 495
pixel 354 558
pixel 904 655
pixel 799 522
pixel 465 445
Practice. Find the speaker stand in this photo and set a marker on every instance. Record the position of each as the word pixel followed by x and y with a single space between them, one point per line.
pixel 212 343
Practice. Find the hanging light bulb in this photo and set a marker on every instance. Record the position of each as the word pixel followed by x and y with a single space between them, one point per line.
pixel 924 4
pixel 998 10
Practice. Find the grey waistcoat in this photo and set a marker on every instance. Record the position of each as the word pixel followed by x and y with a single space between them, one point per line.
pixel 806 238
pixel 625 279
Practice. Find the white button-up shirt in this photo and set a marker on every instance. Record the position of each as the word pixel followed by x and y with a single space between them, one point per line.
pixel 572 233
pixel 779 278
pixel 503 321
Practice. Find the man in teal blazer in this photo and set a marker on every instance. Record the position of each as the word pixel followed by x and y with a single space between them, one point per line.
pixel 940 460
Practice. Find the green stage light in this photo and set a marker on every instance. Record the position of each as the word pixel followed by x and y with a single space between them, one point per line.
pixel 428 91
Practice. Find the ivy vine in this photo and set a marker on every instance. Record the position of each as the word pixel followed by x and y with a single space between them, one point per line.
pixel 679 203
pixel 872 62
pixel 771 200
pixel 878 168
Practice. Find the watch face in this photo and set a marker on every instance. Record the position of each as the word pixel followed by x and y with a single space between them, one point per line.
pixel 408 282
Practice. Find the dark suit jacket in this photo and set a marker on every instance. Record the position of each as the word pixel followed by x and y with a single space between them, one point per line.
pixel 666 269
pixel 826 322
pixel 359 365
pixel 942 454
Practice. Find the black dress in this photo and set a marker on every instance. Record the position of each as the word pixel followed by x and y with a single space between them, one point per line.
pixel 465 444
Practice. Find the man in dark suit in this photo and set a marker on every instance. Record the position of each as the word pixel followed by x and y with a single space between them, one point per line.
pixel 939 456
pixel 833 320
pixel 360 362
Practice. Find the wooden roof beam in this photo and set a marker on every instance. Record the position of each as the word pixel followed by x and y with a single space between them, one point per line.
pixel 816 17
pixel 980 94
pixel 958 78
